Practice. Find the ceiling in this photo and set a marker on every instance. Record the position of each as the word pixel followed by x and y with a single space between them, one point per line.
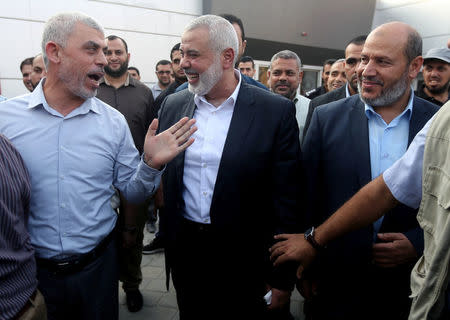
pixel 315 23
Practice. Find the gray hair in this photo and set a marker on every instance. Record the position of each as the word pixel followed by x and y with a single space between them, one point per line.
pixel 286 54
pixel 59 27
pixel 221 33
pixel 413 46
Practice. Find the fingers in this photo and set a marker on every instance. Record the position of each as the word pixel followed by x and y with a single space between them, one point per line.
pixel 152 128
pixel 184 138
pixel 173 129
pixel 283 236
pixel 391 236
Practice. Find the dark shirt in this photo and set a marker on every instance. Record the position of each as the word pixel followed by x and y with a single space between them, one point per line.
pixel 17 265
pixel 420 92
pixel 135 101
pixel 316 92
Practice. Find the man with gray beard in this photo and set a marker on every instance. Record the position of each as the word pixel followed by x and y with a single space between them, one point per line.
pixel 238 187
pixel 365 275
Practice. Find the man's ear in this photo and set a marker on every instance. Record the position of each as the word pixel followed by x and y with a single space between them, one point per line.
pixel 228 58
pixel 53 51
pixel 414 67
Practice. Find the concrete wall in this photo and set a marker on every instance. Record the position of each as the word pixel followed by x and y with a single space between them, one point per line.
pixel 150 27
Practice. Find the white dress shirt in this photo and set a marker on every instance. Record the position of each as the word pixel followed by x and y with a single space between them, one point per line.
pixel 301 112
pixel 202 158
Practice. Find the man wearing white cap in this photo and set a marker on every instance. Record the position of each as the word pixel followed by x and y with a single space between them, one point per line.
pixel 436 76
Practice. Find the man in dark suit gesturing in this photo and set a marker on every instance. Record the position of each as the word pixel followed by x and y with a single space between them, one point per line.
pixel 236 188
pixel 365 274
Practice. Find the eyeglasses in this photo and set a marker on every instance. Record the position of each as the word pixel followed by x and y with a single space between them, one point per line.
pixel 161 72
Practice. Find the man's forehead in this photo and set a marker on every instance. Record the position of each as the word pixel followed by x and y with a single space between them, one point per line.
pixel 84 33
pixel 116 43
pixel 281 63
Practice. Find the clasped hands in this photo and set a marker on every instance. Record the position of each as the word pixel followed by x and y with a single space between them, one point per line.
pixel 159 149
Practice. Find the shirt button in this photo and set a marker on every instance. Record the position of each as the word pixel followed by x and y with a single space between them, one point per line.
pixel 204 165
pixel 62 177
pixel 63 205
pixel 206 220
pixel 205 193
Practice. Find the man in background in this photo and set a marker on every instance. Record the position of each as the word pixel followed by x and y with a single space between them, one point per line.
pixel 436 76
pixel 163 71
pixel 135 101
pixel 247 66
pixel 325 74
pixel 25 69
pixel 284 77
pixel 134 72
pixel 39 70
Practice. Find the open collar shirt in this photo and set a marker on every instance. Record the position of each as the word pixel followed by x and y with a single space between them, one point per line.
pixel 73 162
pixel 202 158
pixel 387 142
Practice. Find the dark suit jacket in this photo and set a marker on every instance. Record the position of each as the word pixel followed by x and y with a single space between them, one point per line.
pixel 258 183
pixel 320 100
pixel 336 153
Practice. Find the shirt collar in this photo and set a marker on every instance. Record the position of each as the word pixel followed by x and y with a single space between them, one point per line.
pixel 408 110
pixel 297 97
pixel 128 81
pixel 233 96
pixel 38 99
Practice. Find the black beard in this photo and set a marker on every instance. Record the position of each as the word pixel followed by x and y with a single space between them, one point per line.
pixel 438 90
pixel 117 73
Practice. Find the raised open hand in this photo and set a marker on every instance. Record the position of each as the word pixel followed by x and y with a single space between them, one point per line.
pixel 162 148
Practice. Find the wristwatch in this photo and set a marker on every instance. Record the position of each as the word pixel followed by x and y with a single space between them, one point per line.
pixel 309 236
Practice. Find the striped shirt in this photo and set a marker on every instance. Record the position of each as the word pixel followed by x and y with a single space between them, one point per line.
pixel 17 264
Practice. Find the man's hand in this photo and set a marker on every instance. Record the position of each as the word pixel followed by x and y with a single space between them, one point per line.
pixel 292 247
pixel 395 249
pixel 162 148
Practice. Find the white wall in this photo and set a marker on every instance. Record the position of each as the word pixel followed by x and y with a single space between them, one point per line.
pixel 429 17
pixel 150 27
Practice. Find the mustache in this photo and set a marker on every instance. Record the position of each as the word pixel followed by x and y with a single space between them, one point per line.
pixel 190 70
pixel 281 83
pixel 371 79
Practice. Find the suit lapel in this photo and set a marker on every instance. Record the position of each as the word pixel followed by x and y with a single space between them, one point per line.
pixel 241 121
pixel 418 118
pixel 360 140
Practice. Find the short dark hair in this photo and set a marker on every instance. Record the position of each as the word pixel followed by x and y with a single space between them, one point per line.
pixel 248 59
pixel 114 37
pixel 329 61
pixel 413 46
pixel 135 69
pixel 359 40
pixel 174 48
pixel 163 63
pixel 233 19
pixel 27 61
